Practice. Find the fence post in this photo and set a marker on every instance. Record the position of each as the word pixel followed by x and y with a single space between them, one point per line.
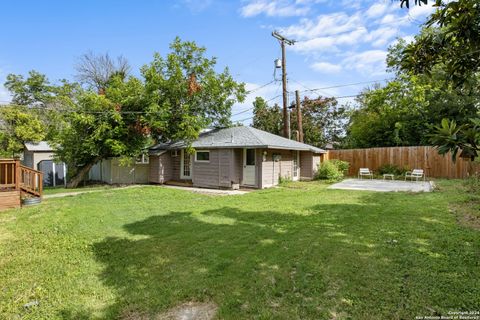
pixel 17 174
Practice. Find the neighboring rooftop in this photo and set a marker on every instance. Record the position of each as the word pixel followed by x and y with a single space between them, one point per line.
pixel 41 146
pixel 239 137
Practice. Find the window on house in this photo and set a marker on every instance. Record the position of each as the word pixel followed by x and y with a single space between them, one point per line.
pixel 202 156
pixel 143 159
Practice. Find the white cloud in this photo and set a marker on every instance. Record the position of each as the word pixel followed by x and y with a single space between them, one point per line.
pixel 324 25
pixel 381 36
pixel 371 62
pixel 421 12
pixel 377 10
pixel 326 67
pixel 275 8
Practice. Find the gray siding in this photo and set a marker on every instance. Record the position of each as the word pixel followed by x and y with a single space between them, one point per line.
pixel 110 171
pixel 207 174
pixel 237 169
pixel 271 170
pixel 176 167
pixel 306 165
pixel 161 168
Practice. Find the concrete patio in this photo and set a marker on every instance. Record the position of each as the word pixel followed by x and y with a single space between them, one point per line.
pixel 384 185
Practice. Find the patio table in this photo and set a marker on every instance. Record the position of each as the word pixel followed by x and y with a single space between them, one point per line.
pixel 388 175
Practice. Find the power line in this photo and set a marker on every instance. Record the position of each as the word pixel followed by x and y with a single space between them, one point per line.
pixel 347 85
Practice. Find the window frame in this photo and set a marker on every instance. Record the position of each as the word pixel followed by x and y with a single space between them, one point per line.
pixel 202 151
pixel 144 159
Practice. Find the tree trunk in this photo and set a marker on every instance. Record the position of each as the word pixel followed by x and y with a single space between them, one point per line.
pixel 80 174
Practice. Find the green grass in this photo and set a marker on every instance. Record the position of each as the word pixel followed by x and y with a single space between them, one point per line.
pixel 297 252
pixel 56 190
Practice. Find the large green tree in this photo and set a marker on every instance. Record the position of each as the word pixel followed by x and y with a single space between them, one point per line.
pixel 267 118
pixel 323 120
pixel 455 44
pixel 176 97
pixel 18 125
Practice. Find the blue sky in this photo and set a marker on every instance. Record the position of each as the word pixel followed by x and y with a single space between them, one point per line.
pixel 340 41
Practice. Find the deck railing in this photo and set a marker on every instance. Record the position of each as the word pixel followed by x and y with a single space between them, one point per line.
pixel 14 176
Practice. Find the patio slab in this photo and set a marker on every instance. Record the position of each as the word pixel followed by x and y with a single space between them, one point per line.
pixel 383 185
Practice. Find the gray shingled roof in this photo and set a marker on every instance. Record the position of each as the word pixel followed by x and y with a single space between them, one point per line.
pixel 238 137
pixel 41 146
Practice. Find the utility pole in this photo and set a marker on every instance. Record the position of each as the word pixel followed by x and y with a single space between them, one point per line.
pixel 283 41
pixel 299 116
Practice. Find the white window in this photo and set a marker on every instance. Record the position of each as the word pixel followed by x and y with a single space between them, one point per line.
pixel 143 159
pixel 174 153
pixel 202 156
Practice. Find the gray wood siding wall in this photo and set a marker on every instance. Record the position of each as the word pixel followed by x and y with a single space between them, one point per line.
pixel 160 168
pixel 176 166
pixel 306 165
pixel 271 170
pixel 237 166
pixel 206 174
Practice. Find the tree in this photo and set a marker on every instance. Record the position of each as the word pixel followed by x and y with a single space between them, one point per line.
pixel 455 44
pixel 96 70
pixel 18 125
pixel 267 118
pixel 323 120
pixel 450 137
pixel 178 96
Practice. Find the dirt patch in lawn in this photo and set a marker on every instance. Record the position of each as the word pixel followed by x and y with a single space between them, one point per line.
pixel 185 311
pixel 468 214
pixel 191 311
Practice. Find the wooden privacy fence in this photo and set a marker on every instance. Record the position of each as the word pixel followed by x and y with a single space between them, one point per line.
pixel 423 157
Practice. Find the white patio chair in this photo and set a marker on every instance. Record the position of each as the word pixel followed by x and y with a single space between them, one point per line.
pixel 365 172
pixel 415 174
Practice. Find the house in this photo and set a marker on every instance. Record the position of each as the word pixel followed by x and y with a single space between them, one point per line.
pixel 39 156
pixel 112 172
pixel 233 157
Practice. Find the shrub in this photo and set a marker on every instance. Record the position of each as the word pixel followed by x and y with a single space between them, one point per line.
pixel 391 169
pixel 341 165
pixel 327 170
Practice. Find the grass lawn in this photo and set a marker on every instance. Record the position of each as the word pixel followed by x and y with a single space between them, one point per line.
pixel 56 190
pixel 296 252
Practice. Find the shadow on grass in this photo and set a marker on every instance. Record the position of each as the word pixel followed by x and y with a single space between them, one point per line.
pixel 339 259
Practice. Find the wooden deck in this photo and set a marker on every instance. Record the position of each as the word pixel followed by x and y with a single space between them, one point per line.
pixel 17 181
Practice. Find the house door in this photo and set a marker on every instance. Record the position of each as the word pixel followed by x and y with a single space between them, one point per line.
pixel 296 168
pixel 249 168
pixel 185 165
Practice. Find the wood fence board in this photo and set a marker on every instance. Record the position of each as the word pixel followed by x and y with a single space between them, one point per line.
pixel 418 157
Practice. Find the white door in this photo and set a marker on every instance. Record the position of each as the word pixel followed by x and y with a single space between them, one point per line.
pixel 249 172
pixel 296 168
pixel 185 165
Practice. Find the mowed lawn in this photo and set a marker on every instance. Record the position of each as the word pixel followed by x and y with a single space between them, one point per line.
pixel 297 252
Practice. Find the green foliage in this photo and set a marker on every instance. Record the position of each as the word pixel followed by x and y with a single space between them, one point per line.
pixel 392 169
pixel 267 118
pixel 178 95
pixel 404 112
pixel 449 137
pixel 454 45
pixel 341 165
pixel 323 120
pixel 18 125
pixel 328 170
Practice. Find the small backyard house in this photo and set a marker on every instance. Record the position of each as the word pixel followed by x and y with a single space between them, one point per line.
pixel 233 157
pixel 39 156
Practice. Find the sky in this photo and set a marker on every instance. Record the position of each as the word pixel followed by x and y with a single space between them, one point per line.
pixel 338 41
